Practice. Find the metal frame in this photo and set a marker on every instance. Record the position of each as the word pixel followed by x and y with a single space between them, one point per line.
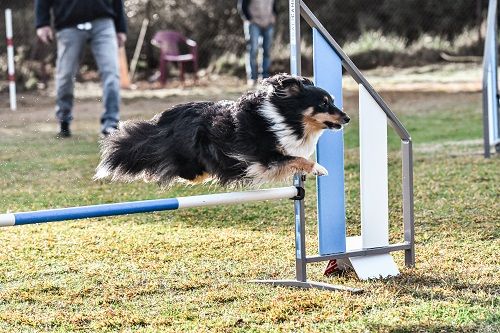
pixel 298 181
pixel 490 64
pixel 298 9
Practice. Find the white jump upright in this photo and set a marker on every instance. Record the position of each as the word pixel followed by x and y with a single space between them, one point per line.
pixel 374 191
pixel 491 109
pixel 10 59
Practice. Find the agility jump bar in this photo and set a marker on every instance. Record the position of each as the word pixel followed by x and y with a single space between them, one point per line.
pixel 134 207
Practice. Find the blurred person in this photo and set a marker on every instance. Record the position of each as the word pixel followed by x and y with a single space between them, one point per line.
pixel 102 24
pixel 259 17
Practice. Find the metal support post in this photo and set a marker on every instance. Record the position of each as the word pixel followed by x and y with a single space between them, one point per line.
pixel 408 210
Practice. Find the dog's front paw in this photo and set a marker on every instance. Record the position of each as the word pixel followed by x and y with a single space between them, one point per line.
pixel 319 170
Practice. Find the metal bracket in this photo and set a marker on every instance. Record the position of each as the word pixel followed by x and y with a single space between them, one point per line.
pixel 301 193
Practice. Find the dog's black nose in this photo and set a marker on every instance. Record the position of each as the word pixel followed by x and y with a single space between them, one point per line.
pixel 346 119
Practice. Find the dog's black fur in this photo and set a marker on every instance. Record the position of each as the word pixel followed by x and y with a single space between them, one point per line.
pixel 266 135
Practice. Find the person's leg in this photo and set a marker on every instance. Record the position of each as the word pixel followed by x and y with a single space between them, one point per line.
pixel 105 49
pixel 70 43
pixel 267 41
pixel 252 33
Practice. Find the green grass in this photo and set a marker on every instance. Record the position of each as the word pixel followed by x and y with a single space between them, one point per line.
pixel 188 270
pixel 445 126
pixel 427 123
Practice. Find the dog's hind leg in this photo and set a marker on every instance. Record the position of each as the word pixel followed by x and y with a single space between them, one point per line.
pixel 190 171
pixel 205 177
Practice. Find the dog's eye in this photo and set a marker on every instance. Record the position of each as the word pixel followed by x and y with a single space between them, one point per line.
pixel 324 104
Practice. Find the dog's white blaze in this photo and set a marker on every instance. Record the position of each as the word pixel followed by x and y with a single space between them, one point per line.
pixel 289 141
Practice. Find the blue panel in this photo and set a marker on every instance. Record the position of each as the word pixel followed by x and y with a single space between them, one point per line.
pixel 330 153
pixel 74 213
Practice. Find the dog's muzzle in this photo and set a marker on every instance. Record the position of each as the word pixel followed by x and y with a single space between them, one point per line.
pixel 343 121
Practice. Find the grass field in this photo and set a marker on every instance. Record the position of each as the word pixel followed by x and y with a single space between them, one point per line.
pixel 187 270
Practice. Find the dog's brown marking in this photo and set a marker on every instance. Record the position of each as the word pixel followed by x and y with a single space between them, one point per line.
pixel 299 164
pixel 311 125
pixel 200 178
pixel 323 117
pixel 314 122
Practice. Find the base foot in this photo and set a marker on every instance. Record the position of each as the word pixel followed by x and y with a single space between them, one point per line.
pixel 308 285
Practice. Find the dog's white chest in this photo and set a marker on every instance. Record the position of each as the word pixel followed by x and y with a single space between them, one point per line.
pixel 300 147
pixel 288 140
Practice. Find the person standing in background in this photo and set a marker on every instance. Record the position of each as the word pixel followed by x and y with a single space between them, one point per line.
pixel 259 17
pixel 102 24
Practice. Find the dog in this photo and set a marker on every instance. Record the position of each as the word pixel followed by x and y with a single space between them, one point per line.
pixel 265 136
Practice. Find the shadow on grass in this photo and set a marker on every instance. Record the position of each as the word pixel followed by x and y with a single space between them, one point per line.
pixel 474 328
pixel 443 288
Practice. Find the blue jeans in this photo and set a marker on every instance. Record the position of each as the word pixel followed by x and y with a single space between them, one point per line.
pixel 70 44
pixel 252 34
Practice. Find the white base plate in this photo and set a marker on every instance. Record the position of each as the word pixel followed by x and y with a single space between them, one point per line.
pixel 368 267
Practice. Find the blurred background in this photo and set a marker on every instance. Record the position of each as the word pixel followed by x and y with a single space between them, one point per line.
pixel 397 33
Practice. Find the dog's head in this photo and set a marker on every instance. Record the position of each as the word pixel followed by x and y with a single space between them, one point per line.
pixel 297 96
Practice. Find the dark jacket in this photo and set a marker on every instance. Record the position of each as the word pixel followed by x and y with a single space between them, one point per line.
pixel 69 13
pixel 245 13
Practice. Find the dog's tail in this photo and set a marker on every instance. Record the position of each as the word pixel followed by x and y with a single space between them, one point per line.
pixel 127 153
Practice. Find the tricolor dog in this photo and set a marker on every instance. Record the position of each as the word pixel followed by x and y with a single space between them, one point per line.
pixel 266 135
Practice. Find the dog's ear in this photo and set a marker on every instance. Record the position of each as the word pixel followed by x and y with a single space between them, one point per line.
pixel 292 85
pixel 287 84
pixel 306 81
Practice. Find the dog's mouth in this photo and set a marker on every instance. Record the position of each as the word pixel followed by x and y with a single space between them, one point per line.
pixel 332 125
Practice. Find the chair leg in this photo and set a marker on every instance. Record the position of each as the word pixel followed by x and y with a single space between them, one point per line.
pixel 167 65
pixel 163 78
pixel 181 69
pixel 195 70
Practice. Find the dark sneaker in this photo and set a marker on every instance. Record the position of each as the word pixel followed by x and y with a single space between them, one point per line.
pixel 108 130
pixel 64 132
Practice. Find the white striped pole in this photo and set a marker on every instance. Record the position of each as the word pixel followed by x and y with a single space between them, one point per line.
pixel 10 60
pixel 123 208
pixel 138 48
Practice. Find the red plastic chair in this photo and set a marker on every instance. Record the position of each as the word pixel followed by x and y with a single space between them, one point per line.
pixel 169 42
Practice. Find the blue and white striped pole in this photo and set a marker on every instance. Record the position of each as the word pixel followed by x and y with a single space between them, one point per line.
pixel 123 208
